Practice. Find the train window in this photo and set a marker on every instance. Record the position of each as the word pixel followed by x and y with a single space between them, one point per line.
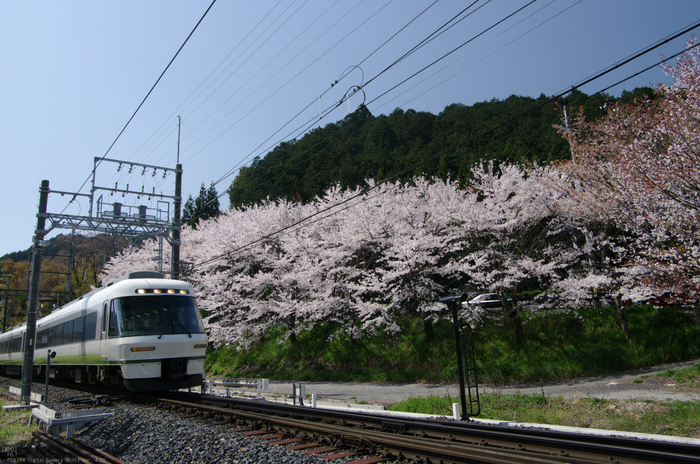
pixel 104 316
pixel 157 315
pixel 113 329
pixel 58 336
pixel 78 325
pixel 52 336
pixel 68 332
pixel 42 339
pixel 90 327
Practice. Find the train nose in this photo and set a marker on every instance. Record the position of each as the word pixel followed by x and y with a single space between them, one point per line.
pixel 173 369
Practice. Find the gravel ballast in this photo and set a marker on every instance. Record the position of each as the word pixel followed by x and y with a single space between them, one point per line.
pixel 146 436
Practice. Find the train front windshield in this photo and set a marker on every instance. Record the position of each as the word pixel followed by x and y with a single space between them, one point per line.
pixel 162 315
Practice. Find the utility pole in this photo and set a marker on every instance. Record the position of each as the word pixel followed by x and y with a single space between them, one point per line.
pixel 6 281
pixel 175 261
pixel 69 277
pixel 34 281
pixel 567 127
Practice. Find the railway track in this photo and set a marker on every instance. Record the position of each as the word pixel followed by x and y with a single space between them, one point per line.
pixel 49 448
pixel 370 438
pixel 425 441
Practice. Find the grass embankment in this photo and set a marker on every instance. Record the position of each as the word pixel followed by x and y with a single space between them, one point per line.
pixel 558 346
pixel 675 418
pixel 14 430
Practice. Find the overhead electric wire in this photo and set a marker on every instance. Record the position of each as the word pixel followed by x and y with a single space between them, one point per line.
pixel 163 137
pixel 169 118
pixel 281 88
pixel 464 142
pixel 519 37
pixel 439 31
pixel 399 31
pixel 624 61
pixel 252 77
pixel 483 58
pixel 314 120
pixel 227 67
pixel 450 52
pixel 147 95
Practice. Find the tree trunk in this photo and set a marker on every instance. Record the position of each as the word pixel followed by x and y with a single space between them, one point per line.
pixel 514 315
pixel 429 329
pixel 697 314
pixel 622 317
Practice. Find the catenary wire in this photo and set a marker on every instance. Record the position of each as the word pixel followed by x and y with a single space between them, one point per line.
pixel 624 61
pixel 483 58
pixel 259 180
pixel 451 52
pixel 231 64
pixel 313 121
pixel 147 95
pixel 190 96
pixel 454 147
pixel 343 76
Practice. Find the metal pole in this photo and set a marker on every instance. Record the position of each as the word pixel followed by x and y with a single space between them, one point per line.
pixel 48 370
pixel 4 317
pixel 460 363
pixel 69 277
pixel 30 334
pixel 175 274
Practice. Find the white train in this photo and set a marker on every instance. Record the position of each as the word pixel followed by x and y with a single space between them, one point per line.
pixel 141 331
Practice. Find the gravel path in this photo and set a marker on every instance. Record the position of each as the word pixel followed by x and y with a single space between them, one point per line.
pixel 639 384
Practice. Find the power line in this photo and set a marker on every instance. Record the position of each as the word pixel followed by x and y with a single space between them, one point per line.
pixel 343 76
pixel 324 113
pixel 519 22
pixel 450 23
pixel 450 52
pixel 182 105
pixel 464 142
pixel 490 54
pixel 148 94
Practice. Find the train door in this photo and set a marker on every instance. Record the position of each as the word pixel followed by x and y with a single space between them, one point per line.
pixel 103 330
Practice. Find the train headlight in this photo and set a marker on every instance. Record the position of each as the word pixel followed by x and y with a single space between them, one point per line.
pixel 202 345
pixel 181 291
pixel 143 348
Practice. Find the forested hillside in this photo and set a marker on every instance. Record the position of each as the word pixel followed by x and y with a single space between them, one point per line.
pixel 89 254
pixel 363 146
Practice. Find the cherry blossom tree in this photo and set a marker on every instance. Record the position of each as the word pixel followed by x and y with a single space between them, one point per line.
pixel 639 168
pixel 365 262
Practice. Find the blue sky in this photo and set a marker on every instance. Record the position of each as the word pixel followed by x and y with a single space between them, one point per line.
pixel 74 72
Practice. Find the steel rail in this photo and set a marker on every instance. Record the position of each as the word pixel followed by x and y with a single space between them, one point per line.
pixel 465 442
pixel 78 451
pixel 650 451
